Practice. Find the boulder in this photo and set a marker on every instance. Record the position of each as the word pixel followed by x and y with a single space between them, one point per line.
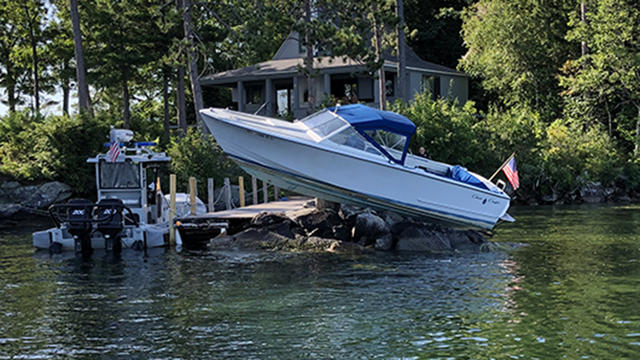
pixel 550 198
pixel 341 232
pixel 266 219
pixel 415 239
pixel 593 192
pixel 10 185
pixel 392 218
pixel 22 194
pixel 9 210
pixel 384 243
pixel 319 222
pixel 370 227
pixel 465 240
pixel 48 194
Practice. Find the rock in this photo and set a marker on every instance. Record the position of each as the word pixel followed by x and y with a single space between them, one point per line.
pixel 369 226
pixel 384 243
pixel 341 232
pixel 319 222
pixel 10 185
pixel 414 239
pixel 22 194
pixel 348 212
pixel 465 240
pixel 392 218
pixel 550 198
pixel 251 239
pixel 9 210
pixel 265 219
pixel 48 194
pixel 593 193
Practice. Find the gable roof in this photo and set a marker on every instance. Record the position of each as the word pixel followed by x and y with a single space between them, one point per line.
pixel 289 61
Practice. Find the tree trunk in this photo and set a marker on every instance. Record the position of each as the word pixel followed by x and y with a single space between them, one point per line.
pixel 34 55
pixel 402 56
pixel 583 18
pixel 81 73
pixel 193 64
pixel 125 104
pixel 378 47
pixel 308 61
pixel 165 98
pixel 637 148
pixel 65 97
pixel 182 106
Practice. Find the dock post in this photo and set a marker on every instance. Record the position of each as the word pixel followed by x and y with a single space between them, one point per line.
pixel 158 201
pixel 276 193
pixel 254 188
pixel 265 192
pixel 172 208
pixel 193 192
pixel 241 190
pixel 210 194
pixel 227 193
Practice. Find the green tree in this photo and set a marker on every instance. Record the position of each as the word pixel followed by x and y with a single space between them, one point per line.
pixel 605 82
pixel 516 48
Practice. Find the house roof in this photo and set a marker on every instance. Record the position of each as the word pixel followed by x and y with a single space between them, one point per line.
pixel 291 66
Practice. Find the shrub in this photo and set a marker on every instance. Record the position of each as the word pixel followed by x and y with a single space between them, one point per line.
pixel 443 127
pixel 198 155
pixel 573 156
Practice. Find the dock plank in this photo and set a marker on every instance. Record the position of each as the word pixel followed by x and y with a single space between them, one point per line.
pixel 250 211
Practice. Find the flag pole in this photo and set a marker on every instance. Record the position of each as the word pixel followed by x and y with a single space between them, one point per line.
pixel 503 165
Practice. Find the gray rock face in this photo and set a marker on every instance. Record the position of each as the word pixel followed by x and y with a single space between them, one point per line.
pixel 369 227
pixel 595 192
pixel 384 243
pixel 415 239
pixel 47 194
pixel 319 222
pixel 8 210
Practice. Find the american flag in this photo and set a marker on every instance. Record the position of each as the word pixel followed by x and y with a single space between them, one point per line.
pixel 511 172
pixel 114 151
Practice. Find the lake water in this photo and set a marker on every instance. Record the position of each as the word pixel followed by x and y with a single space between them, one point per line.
pixel 572 292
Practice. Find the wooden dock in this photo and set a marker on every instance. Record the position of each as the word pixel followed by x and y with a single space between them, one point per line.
pixel 199 228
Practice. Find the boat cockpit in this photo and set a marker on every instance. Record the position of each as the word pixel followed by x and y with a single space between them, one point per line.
pixel 358 126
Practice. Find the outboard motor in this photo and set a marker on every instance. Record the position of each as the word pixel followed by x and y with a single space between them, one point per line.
pixel 78 218
pixel 110 221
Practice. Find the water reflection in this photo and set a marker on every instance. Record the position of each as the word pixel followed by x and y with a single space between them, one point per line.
pixel 572 292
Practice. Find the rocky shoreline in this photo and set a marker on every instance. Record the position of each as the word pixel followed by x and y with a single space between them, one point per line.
pixel 348 229
pixel 19 201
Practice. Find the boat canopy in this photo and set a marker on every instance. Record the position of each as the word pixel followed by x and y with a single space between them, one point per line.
pixel 362 118
pixel 387 131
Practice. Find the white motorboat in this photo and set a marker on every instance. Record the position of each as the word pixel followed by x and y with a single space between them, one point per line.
pixel 129 212
pixel 357 155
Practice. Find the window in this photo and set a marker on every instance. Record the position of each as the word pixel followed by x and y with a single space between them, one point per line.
pixel 432 85
pixel 254 94
pixel 390 84
pixel 120 175
pixel 324 123
pixel 351 138
pixel 393 143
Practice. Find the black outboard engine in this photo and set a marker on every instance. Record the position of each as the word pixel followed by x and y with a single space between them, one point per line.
pixel 78 217
pixel 110 221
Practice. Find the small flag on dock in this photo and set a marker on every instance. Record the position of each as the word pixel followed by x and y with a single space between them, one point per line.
pixel 511 172
pixel 114 151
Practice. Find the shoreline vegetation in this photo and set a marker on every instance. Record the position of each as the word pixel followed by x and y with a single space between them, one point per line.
pixel 557 83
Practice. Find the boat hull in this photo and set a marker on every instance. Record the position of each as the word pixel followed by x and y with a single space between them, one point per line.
pixel 308 168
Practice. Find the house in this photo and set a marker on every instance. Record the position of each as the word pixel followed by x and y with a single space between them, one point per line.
pixel 278 86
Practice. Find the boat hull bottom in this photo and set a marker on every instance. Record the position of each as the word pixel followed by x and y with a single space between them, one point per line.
pixel 328 192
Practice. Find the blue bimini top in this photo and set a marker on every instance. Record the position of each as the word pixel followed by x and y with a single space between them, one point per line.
pixel 362 118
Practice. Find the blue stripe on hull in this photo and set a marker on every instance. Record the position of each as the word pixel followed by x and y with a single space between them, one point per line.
pixel 339 194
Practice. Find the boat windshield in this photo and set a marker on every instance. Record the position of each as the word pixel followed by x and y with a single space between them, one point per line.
pixel 119 175
pixel 324 123
pixel 393 143
pixel 350 137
